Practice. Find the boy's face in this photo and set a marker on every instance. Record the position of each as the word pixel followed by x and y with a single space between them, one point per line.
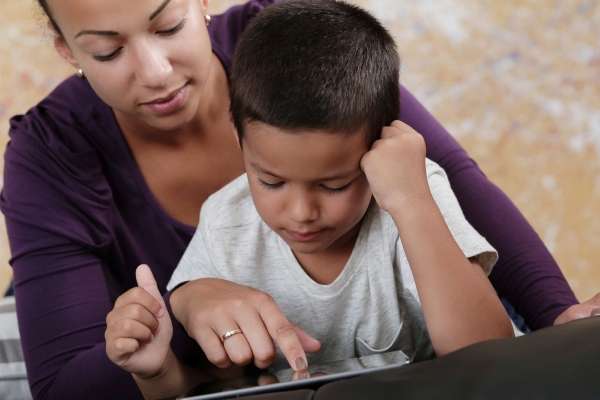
pixel 307 186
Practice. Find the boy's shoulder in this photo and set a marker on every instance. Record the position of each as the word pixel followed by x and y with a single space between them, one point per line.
pixel 229 207
pixel 433 168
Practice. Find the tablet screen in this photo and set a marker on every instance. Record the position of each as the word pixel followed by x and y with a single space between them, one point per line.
pixel 257 381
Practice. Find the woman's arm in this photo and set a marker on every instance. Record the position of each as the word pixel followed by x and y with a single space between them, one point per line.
pixel 57 237
pixel 61 312
pixel 526 274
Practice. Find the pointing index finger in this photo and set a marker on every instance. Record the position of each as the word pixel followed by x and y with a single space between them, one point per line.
pixel 284 334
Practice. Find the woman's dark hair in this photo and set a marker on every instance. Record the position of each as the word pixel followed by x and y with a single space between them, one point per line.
pixel 315 64
pixel 46 8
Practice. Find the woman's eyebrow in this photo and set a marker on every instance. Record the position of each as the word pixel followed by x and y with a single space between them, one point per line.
pixel 101 33
pixel 159 9
pixel 114 33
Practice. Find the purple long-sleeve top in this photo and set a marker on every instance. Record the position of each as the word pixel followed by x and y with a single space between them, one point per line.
pixel 80 219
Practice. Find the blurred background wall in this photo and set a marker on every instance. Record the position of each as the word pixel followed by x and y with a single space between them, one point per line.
pixel 516 82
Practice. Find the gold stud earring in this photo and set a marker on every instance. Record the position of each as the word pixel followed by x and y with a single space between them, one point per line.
pixel 80 73
pixel 207 18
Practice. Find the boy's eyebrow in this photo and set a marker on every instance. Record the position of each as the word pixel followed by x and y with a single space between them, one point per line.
pixel 335 177
pixel 113 33
pixel 264 171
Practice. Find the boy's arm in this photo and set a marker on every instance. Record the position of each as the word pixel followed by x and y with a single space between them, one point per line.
pixel 459 303
pixel 138 334
pixel 526 273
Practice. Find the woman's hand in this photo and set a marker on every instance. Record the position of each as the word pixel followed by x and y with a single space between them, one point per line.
pixel 139 329
pixel 395 167
pixel 586 309
pixel 209 308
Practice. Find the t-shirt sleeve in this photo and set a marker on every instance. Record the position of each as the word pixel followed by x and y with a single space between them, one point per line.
pixel 473 245
pixel 526 274
pixel 196 261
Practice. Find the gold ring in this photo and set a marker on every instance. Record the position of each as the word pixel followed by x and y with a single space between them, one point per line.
pixel 229 334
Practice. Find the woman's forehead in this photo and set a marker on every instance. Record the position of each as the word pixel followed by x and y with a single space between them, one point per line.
pixel 106 14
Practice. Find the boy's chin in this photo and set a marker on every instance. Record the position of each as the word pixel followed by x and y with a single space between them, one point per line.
pixel 308 247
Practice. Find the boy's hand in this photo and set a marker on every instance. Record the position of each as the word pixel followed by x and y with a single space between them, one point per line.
pixel 209 308
pixel 139 329
pixel 395 167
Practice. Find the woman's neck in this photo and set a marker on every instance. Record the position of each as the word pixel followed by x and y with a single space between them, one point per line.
pixel 213 107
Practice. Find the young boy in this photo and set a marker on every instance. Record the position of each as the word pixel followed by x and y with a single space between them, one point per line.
pixel 356 237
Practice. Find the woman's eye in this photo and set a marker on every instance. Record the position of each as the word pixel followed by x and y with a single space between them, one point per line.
pixel 108 57
pixel 271 185
pixel 173 30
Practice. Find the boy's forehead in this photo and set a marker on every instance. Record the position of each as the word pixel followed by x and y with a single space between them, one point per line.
pixel 304 154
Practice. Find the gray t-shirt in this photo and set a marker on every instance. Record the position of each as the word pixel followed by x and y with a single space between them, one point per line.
pixel 372 306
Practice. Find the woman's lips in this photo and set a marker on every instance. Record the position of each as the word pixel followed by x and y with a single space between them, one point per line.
pixel 171 103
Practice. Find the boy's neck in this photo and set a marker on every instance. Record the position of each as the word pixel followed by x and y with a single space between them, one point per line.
pixel 324 267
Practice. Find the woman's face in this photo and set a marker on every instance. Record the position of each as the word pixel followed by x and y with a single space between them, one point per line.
pixel 149 60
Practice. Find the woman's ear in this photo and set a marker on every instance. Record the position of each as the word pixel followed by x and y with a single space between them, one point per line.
pixel 235 132
pixel 61 46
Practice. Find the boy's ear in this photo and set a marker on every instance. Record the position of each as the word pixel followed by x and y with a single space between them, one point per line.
pixel 64 51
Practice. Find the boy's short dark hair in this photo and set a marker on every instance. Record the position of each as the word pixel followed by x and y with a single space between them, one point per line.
pixel 310 64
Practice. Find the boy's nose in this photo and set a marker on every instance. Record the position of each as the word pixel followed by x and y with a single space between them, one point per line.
pixel 303 208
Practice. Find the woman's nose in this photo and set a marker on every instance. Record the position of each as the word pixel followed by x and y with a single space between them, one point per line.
pixel 154 67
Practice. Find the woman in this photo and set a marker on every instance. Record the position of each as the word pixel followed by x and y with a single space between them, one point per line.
pixel 110 171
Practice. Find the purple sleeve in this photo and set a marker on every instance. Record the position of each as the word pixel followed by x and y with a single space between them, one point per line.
pixel 526 274
pixel 56 238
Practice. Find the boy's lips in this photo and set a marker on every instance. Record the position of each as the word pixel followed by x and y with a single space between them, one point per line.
pixel 303 236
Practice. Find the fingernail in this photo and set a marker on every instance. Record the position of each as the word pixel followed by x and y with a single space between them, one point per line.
pixel 595 312
pixel 300 364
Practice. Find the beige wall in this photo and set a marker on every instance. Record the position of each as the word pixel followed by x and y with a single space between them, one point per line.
pixel 516 82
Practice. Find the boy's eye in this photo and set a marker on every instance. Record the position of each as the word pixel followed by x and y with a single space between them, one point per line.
pixel 337 189
pixel 108 57
pixel 173 30
pixel 271 185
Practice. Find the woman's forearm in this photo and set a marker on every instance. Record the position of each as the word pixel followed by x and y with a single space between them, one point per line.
pixel 526 274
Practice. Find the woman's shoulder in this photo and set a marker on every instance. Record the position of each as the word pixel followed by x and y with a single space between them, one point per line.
pixel 52 160
pixel 226 28
pixel 65 121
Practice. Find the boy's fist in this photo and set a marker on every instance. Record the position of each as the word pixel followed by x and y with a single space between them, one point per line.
pixel 139 329
pixel 395 167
